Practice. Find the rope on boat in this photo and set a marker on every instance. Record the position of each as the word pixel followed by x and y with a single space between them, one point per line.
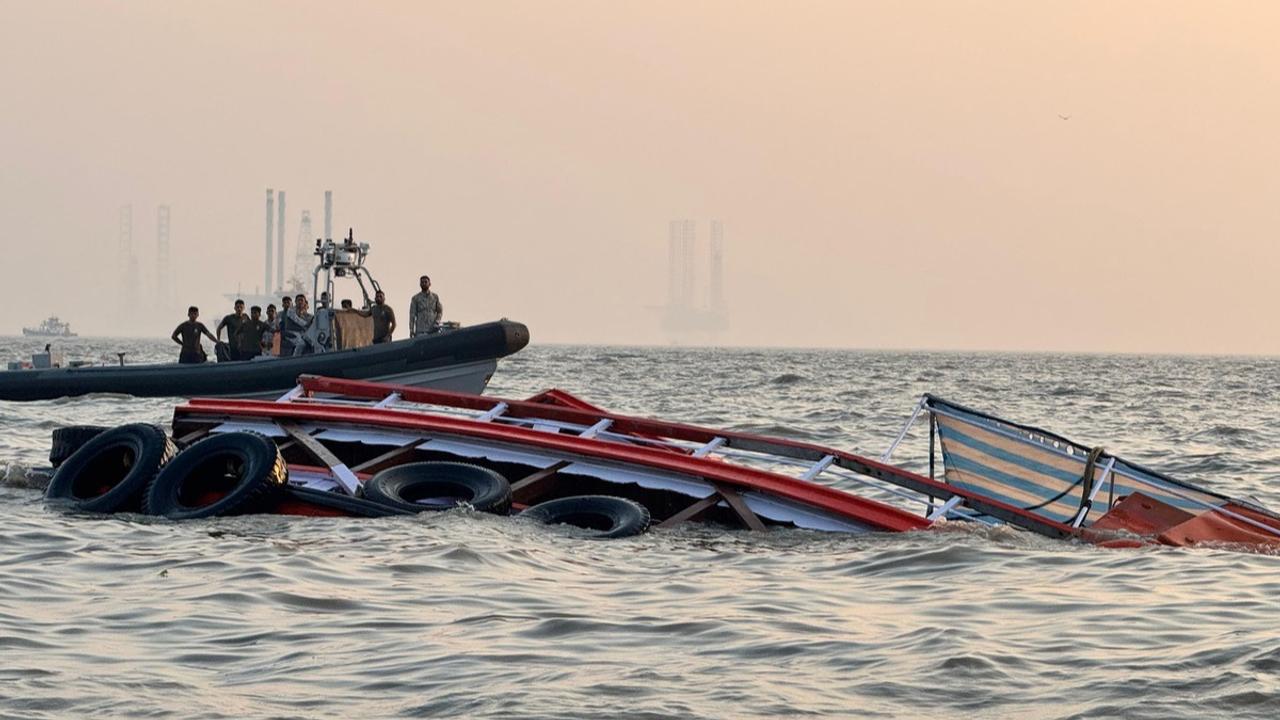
pixel 1086 479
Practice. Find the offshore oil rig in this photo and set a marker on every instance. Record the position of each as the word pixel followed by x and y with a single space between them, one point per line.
pixel 691 315
pixel 299 280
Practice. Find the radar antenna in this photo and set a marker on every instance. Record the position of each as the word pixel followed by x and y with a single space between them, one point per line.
pixel 344 259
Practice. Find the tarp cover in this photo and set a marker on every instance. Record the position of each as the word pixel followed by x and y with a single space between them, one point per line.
pixel 353 330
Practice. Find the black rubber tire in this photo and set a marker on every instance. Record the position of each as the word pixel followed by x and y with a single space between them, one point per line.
pixel 111 471
pixel 243 469
pixel 356 506
pixel 405 486
pixel 67 440
pixel 605 516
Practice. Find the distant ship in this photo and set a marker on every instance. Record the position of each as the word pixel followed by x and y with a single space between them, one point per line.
pixel 53 327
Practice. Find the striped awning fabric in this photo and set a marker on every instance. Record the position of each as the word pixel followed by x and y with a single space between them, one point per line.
pixel 1042 472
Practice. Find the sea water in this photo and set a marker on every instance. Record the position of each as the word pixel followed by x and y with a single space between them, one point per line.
pixel 463 615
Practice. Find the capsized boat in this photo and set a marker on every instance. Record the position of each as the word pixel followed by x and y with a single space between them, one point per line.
pixel 463 359
pixel 337 446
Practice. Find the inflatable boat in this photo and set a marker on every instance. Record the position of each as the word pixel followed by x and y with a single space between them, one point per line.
pixel 461 360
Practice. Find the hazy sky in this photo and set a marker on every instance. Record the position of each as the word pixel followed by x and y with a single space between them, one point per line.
pixel 889 174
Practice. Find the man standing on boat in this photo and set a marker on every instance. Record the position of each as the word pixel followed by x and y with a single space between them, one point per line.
pixel 232 323
pixel 248 339
pixel 271 327
pixel 384 318
pixel 188 336
pixel 425 310
pixel 295 327
pixel 323 326
pixel 282 347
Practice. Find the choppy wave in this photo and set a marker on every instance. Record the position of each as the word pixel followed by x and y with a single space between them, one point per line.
pixel 468 615
pixel 789 379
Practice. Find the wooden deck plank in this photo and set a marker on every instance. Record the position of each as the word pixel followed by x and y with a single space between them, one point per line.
pixel 192 436
pixel 739 506
pixel 692 511
pixel 347 479
pixel 524 488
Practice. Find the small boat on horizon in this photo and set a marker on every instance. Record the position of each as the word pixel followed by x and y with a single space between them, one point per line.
pixel 50 327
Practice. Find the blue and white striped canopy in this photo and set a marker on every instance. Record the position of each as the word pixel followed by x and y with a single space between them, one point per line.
pixel 1043 472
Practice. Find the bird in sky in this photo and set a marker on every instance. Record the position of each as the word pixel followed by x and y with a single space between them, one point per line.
pixel 1065 117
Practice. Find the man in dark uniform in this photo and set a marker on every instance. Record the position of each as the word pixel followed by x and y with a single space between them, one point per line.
pixel 286 304
pixel 188 336
pixel 248 339
pixel 384 318
pixel 232 323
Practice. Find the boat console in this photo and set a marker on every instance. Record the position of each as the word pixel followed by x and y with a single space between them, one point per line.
pixel 337 260
pixel 342 259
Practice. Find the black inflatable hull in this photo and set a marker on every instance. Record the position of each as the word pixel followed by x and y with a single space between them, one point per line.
pixel 402 358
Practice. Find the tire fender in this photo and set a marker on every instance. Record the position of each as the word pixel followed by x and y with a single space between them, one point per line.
pixel 225 474
pixel 427 486
pixel 603 516
pixel 111 471
pixel 65 441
